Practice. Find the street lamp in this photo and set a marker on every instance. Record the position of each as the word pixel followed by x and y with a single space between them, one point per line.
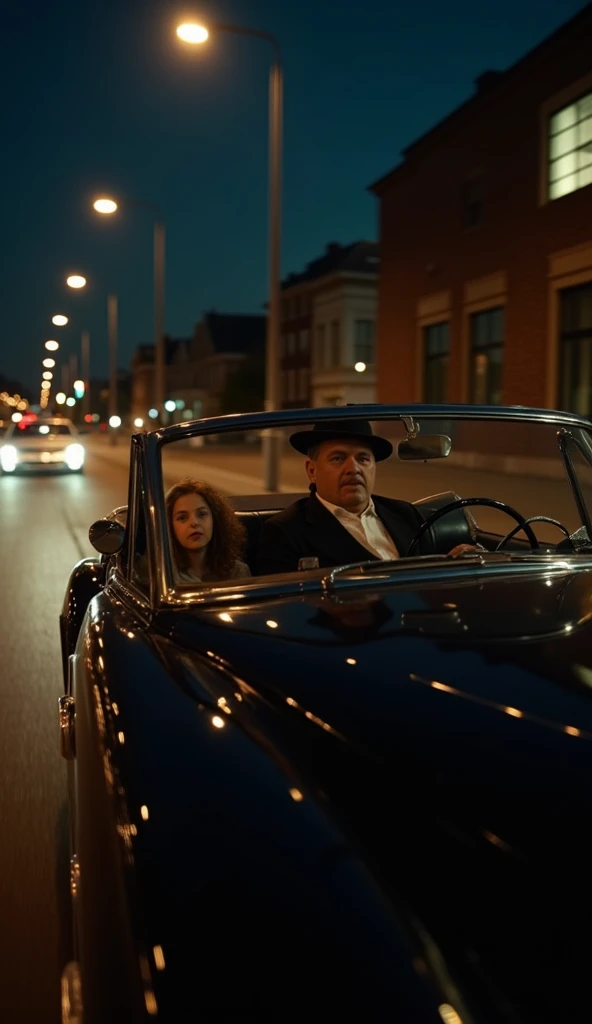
pixel 76 281
pixel 109 206
pixel 59 320
pixel 192 33
pixel 52 346
pixel 359 367
pixel 49 363
pixel 105 205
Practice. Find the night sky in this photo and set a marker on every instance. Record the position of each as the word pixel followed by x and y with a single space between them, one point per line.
pixel 101 97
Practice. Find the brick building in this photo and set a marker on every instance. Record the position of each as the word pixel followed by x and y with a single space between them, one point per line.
pixel 328 327
pixel 485 289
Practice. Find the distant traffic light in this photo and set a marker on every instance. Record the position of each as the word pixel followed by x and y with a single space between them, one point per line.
pixel 79 388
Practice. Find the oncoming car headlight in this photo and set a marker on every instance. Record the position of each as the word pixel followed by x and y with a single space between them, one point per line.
pixel 74 456
pixel 8 458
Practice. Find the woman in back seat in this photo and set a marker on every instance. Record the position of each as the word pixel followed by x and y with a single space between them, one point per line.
pixel 207 538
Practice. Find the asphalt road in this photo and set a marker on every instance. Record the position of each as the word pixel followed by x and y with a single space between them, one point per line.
pixel 44 524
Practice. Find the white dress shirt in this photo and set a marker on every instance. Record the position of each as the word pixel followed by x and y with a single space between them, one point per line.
pixel 366 528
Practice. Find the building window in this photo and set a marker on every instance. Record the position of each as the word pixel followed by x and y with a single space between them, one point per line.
pixel 570 148
pixel 364 341
pixel 303 385
pixel 335 354
pixel 320 352
pixel 487 350
pixel 575 346
pixel 436 348
pixel 473 203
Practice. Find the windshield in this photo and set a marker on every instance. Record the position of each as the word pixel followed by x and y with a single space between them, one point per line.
pixel 41 430
pixel 343 506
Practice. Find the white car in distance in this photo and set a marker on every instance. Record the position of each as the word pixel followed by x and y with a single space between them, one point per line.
pixel 48 443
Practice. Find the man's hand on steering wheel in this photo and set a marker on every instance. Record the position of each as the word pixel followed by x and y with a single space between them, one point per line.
pixel 464 549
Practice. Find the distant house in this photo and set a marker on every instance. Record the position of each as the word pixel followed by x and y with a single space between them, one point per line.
pixel 327 328
pixel 142 372
pixel 223 344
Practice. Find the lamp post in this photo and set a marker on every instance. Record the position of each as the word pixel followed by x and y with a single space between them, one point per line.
pixel 85 365
pixel 107 206
pixel 195 34
pixel 77 281
pixel 112 316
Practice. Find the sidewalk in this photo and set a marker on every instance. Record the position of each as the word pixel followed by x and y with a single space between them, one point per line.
pixel 214 464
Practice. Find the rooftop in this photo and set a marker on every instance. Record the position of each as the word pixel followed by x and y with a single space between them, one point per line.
pixel 489 83
pixel 359 257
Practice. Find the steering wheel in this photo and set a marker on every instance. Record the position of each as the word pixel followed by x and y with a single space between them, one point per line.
pixel 534 519
pixel 466 503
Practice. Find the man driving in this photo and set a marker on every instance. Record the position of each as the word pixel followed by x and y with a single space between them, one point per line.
pixel 342 521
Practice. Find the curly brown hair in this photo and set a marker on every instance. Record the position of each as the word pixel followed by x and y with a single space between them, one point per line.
pixel 228 535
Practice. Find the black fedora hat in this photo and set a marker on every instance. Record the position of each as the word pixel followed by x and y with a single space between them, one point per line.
pixel 359 430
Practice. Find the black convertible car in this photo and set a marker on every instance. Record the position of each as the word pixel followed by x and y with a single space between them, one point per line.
pixel 355 793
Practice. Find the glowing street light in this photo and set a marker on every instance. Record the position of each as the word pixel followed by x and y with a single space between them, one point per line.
pixel 105 205
pixel 138 422
pixel 47 375
pixel 70 401
pixel 76 281
pixel 49 363
pixel 52 346
pixel 59 320
pixel 359 367
pixel 170 406
pixel 115 421
pixel 16 417
pixel 190 32
pixel 60 398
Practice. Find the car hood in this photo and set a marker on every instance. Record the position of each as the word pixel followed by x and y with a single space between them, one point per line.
pixel 448 730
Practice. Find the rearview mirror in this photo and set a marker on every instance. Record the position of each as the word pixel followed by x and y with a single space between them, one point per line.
pixel 424 446
pixel 106 536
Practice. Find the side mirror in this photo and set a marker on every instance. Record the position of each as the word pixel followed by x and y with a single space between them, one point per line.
pixel 106 536
pixel 424 446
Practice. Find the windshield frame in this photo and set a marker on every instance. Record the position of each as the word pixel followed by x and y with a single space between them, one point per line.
pixel 169 592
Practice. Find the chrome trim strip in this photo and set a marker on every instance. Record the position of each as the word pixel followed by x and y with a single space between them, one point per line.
pixel 289 417
pixel 474 567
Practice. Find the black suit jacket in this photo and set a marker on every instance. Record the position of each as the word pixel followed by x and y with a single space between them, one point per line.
pixel 307 529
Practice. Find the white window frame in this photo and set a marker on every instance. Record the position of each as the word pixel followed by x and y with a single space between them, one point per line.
pixel 574 92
